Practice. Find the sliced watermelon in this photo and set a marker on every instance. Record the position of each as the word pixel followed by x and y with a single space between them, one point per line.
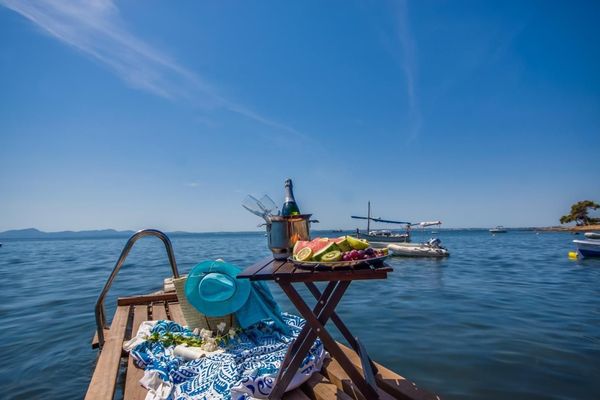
pixel 315 244
pixel 300 244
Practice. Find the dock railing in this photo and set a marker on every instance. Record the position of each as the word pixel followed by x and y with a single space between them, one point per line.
pixel 99 310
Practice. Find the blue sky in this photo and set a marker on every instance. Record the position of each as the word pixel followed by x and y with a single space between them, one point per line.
pixel 144 114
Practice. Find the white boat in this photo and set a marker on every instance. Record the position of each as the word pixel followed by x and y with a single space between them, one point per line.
pixel 382 236
pixel 431 248
pixel 588 248
pixel 498 229
pixel 592 235
pixel 388 236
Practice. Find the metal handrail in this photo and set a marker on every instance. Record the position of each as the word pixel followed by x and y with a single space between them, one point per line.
pixel 99 310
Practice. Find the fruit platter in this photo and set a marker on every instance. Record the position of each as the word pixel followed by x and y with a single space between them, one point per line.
pixel 345 251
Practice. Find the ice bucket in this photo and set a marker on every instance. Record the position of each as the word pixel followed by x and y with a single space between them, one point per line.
pixel 284 232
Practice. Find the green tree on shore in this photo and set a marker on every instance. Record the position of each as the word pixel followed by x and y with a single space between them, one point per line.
pixel 579 213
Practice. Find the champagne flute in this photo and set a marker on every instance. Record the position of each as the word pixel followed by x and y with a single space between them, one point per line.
pixel 252 204
pixel 269 205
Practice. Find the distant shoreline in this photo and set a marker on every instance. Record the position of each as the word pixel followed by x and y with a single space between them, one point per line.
pixel 586 228
pixel 33 233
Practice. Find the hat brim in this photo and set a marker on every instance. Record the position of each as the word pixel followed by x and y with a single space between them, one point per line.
pixel 211 308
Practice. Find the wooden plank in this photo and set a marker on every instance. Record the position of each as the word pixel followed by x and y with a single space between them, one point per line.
pixel 176 314
pixel 102 385
pixel 317 387
pixel 95 343
pixel 253 269
pixel 334 372
pixel 146 299
pixel 396 385
pixel 325 276
pixel 284 269
pixel 133 389
pixel 290 269
pixel 158 311
pixel 296 394
pixel 269 270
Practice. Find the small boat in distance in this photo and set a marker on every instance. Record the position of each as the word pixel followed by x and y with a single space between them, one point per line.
pixel 388 236
pixel 588 235
pixel 382 236
pixel 498 229
pixel 431 248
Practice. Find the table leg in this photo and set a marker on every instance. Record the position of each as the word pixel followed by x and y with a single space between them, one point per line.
pixel 317 327
pixel 352 341
pixel 302 337
pixel 294 359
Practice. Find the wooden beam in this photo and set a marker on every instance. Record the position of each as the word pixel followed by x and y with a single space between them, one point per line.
pixel 176 314
pixel 133 389
pixel 104 380
pixel 146 299
pixel 317 387
pixel 396 385
pixel 158 311
pixel 334 372
pixel 321 276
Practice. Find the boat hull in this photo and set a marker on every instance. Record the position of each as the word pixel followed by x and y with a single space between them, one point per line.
pixel 588 248
pixel 402 238
pixel 418 250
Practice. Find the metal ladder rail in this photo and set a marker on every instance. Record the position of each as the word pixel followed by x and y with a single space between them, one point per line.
pixel 99 310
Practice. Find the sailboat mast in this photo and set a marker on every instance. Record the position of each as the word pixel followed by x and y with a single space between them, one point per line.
pixel 369 218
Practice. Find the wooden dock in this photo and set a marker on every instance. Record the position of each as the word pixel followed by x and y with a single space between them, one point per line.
pixel 113 362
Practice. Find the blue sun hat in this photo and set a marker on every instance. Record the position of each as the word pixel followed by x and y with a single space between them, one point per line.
pixel 212 288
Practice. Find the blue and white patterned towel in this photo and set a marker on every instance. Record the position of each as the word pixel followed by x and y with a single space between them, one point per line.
pixel 246 369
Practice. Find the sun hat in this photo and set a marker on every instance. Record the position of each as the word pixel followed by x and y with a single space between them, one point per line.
pixel 212 288
pixel 194 319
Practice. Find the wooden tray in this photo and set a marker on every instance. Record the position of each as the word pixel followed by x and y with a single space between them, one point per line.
pixel 375 262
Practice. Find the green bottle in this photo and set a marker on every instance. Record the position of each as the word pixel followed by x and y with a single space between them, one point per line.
pixel 289 206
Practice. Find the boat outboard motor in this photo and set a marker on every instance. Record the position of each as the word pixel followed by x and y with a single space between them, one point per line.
pixel 434 242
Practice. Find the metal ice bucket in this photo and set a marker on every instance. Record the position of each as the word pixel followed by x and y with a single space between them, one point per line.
pixel 284 232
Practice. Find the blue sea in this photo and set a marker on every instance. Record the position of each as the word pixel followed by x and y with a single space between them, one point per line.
pixel 505 316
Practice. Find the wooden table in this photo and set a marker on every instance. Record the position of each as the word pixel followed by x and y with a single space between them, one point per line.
pixel 285 273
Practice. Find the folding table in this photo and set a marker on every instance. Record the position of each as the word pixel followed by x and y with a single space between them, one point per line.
pixel 285 273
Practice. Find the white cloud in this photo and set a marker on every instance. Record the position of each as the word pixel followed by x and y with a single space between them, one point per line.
pixel 410 66
pixel 96 28
pixel 408 60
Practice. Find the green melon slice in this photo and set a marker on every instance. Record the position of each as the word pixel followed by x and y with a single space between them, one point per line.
pixel 330 247
pixel 334 255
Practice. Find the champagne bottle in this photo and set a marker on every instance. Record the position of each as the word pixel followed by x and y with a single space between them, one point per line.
pixel 289 206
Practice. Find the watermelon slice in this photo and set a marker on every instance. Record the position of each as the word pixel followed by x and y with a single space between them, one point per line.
pixel 315 245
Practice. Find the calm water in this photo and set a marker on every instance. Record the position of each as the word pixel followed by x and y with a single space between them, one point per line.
pixel 506 316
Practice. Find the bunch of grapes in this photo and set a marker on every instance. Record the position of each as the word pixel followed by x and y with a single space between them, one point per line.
pixel 354 255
